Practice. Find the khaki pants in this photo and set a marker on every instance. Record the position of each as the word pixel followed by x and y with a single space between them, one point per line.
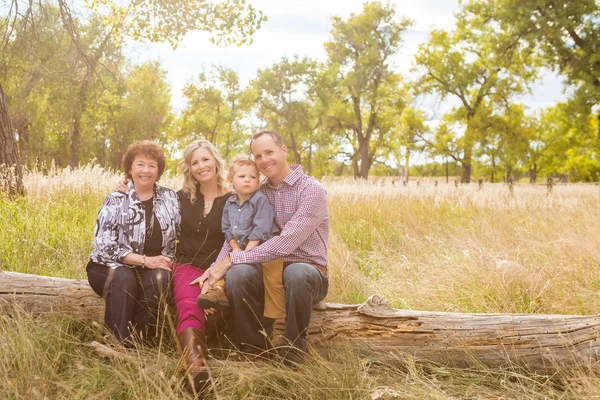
pixel 274 292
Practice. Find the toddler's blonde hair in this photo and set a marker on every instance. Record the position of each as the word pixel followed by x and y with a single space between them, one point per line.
pixel 241 160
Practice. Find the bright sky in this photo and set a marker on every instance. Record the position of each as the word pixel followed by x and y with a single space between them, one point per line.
pixel 301 27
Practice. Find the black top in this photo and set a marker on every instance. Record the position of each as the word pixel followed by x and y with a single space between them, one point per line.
pixel 201 236
pixel 153 242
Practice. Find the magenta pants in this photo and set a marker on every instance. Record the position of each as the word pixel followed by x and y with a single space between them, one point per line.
pixel 189 315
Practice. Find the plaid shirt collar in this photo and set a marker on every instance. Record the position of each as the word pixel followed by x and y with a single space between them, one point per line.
pixel 291 179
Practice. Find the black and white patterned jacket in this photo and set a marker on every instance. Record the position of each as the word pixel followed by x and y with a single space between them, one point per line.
pixel 121 226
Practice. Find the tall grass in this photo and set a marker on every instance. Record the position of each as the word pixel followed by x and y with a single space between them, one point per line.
pixel 427 247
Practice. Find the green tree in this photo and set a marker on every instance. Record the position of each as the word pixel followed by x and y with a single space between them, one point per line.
pixel 228 21
pixel 360 53
pixel 282 102
pixel 141 111
pixel 215 110
pixel 564 34
pixel 476 67
pixel 412 129
pixel 569 143
pixel 93 57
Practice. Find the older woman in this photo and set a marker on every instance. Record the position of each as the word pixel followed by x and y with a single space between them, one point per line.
pixel 134 245
pixel 202 201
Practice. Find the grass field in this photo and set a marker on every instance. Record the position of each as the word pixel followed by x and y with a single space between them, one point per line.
pixel 425 248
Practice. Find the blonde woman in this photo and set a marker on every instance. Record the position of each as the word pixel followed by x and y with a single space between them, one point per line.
pixel 202 200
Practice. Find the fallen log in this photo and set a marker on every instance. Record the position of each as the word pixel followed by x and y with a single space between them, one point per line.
pixel 536 342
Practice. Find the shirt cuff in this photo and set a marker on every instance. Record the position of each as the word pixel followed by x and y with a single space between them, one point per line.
pixel 238 257
pixel 123 253
pixel 262 238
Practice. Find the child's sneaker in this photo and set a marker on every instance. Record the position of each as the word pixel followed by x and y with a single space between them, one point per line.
pixel 215 298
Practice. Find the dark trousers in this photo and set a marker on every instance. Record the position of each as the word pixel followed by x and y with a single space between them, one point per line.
pixel 304 286
pixel 132 297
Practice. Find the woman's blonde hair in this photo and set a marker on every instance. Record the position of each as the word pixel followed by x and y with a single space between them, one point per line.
pixel 190 184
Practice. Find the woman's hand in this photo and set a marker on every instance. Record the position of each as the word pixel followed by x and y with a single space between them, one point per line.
pixel 122 186
pixel 158 262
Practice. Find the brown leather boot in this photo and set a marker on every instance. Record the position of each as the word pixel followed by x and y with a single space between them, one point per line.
pixel 215 298
pixel 192 344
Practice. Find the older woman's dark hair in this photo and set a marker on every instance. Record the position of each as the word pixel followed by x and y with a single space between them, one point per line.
pixel 147 148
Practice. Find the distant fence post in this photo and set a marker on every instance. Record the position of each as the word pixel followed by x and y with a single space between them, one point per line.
pixel 480 182
pixel 549 184
pixel 510 181
pixel 456 183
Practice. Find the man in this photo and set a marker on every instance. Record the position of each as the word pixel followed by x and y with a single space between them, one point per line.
pixel 301 213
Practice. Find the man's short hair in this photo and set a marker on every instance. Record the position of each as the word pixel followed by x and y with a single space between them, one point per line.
pixel 276 138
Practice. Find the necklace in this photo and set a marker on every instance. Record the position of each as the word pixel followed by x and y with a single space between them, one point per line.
pixel 207 207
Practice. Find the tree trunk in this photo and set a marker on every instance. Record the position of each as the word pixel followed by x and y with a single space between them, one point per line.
pixel 533 173
pixel 355 169
pixel 446 169
pixel 294 146
pixel 466 171
pixel 365 163
pixel 11 172
pixel 539 343
pixel 509 170
pixel 466 166
pixel 75 148
pixel 407 165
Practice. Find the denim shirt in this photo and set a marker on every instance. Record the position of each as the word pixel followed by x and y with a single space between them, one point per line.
pixel 253 219
pixel 121 225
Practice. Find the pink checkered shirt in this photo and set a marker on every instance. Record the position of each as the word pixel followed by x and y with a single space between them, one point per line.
pixel 301 214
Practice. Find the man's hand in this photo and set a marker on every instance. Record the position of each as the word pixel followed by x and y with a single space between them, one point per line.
pixel 218 271
pixel 204 287
pixel 212 275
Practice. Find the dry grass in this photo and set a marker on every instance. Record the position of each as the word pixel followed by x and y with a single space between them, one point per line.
pixel 430 248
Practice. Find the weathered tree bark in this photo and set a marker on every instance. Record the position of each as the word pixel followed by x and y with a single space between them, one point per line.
pixel 535 342
pixel 11 173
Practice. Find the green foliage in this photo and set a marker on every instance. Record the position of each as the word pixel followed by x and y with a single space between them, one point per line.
pixel 215 109
pixel 477 67
pixel 229 22
pixel 568 142
pixel 49 237
pixel 74 97
pixel 367 94
pixel 565 35
pixel 288 102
